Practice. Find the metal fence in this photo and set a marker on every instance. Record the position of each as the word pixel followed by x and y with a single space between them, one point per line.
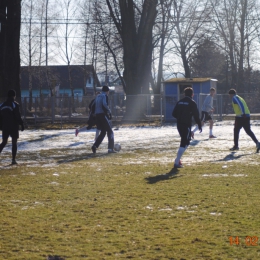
pixel 148 108
pixel 67 109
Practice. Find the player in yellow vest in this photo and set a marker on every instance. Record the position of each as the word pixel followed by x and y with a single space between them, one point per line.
pixel 242 119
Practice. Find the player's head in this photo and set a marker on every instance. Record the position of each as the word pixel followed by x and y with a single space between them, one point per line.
pixel 232 92
pixel 212 91
pixel 188 92
pixel 105 89
pixel 11 93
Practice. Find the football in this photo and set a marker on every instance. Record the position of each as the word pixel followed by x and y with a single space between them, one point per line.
pixel 117 147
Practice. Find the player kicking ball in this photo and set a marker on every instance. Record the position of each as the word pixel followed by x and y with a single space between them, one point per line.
pixel 206 113
pixel 184 110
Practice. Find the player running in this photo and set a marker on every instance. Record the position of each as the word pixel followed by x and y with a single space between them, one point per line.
pixel 184 110
pixel 206 112
pixel 11 119
pixel 242 119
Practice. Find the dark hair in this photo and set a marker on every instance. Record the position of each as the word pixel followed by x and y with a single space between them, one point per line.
pixel 188 92
pixel 11 93
pixel 212 89
pixel 105 88
pixel 232 91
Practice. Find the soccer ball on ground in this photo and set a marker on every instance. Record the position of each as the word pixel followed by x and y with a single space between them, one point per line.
pixel 117 147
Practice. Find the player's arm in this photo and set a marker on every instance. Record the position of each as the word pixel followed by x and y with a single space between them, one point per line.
pixel 175 111
pixel 195 113
pixel 18 116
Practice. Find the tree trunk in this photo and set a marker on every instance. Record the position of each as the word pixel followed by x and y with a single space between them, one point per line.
pixel 240 81
pixel 137 43
pixel 137 46
pixel 10 18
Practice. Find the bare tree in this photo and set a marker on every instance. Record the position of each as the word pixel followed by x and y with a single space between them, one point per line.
pixel 236 25
pixel 29 43
pixel 162 30
pixel 66 39
pixel 111 45
pixel 190 20
pixel 135 27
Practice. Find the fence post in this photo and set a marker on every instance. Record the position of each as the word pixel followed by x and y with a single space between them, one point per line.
pixel 161 109
pixel 61 113
pixel 221 102
pixel 70 98
pixel 52 109
pixel 24 108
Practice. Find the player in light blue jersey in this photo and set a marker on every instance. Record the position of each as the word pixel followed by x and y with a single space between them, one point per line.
pixel 206 113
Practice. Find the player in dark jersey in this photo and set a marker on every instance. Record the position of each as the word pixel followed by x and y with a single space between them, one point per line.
pixel 11 119
pixel 183 111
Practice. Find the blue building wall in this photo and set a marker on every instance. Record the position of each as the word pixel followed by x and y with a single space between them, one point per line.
pixel 172 95
pixel 171 89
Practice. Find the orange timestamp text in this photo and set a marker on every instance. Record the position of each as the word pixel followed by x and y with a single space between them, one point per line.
pixel 249 240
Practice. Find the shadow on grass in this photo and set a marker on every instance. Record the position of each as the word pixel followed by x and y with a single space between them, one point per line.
pixel 231 157
pixel 87 156
pixel 163 177
pixel 194 142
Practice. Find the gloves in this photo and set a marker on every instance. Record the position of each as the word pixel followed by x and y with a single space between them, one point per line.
pixel 22 127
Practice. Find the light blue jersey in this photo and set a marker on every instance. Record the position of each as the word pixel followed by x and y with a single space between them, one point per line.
pixel 101 104
pixel 207 104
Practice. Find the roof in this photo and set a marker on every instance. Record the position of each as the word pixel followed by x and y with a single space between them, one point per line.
pixel 188 80
pixel 57 75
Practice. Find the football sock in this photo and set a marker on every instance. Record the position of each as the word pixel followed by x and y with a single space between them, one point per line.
pixel 179 154
pixel 210 132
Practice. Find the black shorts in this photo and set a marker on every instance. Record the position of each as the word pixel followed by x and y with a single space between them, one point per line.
pixel 185 133
pixel 13 133
pixel 205 116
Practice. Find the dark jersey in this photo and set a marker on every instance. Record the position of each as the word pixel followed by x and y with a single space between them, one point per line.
pixel 10 115
pixel 184 110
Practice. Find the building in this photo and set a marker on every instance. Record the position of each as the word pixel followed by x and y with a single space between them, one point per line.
pixel 174 90
pixel 54 81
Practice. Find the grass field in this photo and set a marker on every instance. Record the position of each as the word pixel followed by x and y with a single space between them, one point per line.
pixel 130 205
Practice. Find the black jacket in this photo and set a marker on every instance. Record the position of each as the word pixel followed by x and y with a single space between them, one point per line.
pixel 184 110
pixel 10 115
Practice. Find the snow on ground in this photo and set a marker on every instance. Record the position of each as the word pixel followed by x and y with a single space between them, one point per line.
pixel 163 141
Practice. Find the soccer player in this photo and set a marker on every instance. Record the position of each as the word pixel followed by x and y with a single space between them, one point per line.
pixel 103 115
pixel 242 119
pixel 11 119
pixel 206 112
pixel 184 110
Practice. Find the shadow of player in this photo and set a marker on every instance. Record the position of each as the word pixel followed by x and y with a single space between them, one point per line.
pixel 163 177
pixel 231 157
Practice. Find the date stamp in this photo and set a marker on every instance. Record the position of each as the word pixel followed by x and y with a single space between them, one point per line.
pixel 248 241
